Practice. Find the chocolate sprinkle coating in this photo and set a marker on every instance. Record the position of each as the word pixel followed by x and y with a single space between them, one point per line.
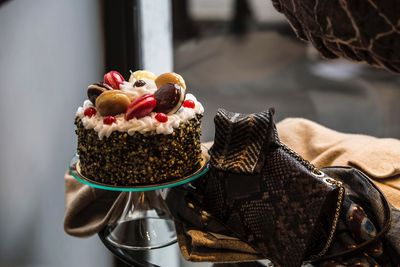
pixel 125 160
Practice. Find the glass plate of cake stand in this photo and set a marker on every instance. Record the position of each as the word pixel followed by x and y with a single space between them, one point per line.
pixel 145 222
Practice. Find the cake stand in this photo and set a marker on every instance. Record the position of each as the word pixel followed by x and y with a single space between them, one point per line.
pixel 145 222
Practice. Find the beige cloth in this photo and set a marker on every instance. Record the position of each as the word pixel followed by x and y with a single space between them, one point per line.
pixel 379 158
pixel 196 245
pixel 88 210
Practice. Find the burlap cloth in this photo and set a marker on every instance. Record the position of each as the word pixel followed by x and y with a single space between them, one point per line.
pixel 89 210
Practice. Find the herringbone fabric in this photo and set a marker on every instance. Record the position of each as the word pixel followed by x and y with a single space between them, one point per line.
pixel 239 139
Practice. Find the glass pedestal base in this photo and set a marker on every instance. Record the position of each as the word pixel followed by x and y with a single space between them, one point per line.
pixel 145 223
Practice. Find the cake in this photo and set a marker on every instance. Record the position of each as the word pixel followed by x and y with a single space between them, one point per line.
pixel 142 131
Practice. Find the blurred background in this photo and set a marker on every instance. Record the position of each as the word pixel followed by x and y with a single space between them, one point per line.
pixel 237 54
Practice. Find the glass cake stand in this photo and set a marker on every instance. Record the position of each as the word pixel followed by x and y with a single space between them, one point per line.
pixel 145 222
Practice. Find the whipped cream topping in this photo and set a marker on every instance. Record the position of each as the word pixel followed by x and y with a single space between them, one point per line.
pixel 147 124
pixel 129 87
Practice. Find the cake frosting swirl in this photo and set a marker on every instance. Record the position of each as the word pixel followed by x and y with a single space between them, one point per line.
pixel 147 124
pixel 137 91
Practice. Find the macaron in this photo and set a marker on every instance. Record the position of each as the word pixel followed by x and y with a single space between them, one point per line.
pixel 113 102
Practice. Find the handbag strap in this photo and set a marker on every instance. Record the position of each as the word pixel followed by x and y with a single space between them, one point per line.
pixel 361 247
pixel 367 244
pixel 318 173
pixel 311 167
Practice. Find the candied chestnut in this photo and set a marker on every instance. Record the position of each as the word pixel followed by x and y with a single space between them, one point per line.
pixel 169 98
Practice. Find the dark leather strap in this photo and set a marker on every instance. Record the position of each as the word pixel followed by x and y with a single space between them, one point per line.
pixel 383 231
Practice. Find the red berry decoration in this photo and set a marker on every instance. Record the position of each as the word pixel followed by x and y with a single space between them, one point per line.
pixel 141 107
pixel 113 79
pixel 109 120
pixel 90 112
pixel 161 117
pixel 189 104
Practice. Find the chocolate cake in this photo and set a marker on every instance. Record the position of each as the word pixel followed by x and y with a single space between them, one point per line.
pixel 137 132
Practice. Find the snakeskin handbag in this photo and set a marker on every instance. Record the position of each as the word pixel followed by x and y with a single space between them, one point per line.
pixel 264 193
pixel 367 234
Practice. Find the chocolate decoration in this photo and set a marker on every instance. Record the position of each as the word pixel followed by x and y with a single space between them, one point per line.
pixel 169 98
pixel 96 89
pixel 139 83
